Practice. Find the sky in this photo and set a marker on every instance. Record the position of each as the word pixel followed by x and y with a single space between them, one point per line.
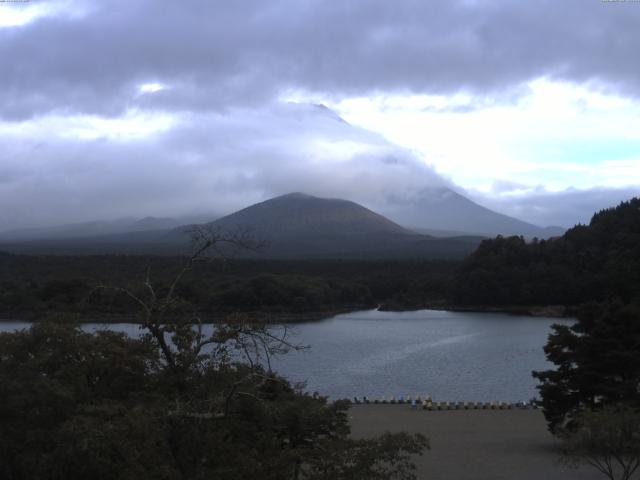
pixel 150 107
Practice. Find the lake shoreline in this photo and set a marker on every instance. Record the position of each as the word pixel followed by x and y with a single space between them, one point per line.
pixel 554 311
pixel 257 316
pixel 548 311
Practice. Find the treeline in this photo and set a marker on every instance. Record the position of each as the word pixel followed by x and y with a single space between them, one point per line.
pixel 595 262
pixel 35 286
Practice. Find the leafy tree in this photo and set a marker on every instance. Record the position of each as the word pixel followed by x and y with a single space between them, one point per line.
pixel 597 360
pixel 175 403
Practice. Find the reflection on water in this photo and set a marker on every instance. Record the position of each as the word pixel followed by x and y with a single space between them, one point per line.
pixel 450 355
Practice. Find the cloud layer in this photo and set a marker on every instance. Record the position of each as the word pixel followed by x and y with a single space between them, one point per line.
pixel 205 163
pixel 91 57
pixel 564 208
pixel 117 108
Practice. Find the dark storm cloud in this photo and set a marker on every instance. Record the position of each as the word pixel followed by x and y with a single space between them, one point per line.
pixel 216 55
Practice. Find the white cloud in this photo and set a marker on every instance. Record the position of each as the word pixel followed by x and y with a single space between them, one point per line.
pixel 18 13
pixel 151 87
pixel 59 170
pixel 542 138
pixel 133 124
pixel 15 14
pixel 563 208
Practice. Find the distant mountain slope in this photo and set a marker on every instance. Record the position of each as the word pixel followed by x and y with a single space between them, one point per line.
pixel 300 214
pixel 292 226
pixel 96 228
pixel 302 226
pixel 445 210
pixel 77 230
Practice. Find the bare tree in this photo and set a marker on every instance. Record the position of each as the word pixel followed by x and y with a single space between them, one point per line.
pixel 187 406
pixel 181 338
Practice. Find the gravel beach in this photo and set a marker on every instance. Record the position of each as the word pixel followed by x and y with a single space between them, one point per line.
pixel 474 444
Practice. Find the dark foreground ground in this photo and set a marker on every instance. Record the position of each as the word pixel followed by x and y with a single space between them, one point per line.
pixel 474 444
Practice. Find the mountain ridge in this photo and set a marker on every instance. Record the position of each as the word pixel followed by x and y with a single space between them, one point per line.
pixel 296 225
pixel 293 226
pixel 444 209
pixel 294 212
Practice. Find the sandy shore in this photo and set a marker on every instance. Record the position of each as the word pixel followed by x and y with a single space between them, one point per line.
pixel 474 444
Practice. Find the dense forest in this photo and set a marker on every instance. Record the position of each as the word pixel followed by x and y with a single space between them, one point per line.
pixel 595 262
pixel 34 286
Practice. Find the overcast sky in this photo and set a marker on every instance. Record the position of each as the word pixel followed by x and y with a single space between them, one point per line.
pixel 133 108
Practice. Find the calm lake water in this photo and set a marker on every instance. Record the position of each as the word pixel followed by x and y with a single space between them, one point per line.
pixel 450 355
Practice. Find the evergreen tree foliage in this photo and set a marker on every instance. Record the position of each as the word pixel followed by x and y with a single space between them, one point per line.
pixel 597 363
pixel 595 262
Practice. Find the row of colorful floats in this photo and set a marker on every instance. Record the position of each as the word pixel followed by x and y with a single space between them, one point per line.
pixel 427 403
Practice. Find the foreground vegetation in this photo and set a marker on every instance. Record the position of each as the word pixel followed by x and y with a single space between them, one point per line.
pixel 597 363
pixel 75 405
pixel 173 404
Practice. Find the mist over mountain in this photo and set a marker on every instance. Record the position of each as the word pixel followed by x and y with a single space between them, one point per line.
pixel 440 224
pixel 443 209
pixel 98 228
pixel 299 225
pixel 439 212
pixel 292 226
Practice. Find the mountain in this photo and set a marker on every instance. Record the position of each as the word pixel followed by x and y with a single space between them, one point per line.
pixel 153 223
pixel 442 209
pixel 76 230
pixel 299 214
pixel 299 225
pixel 291 226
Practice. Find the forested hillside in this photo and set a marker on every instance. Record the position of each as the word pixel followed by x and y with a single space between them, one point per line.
pixel 595 262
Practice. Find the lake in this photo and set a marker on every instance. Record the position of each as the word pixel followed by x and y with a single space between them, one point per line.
pixel 452 356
